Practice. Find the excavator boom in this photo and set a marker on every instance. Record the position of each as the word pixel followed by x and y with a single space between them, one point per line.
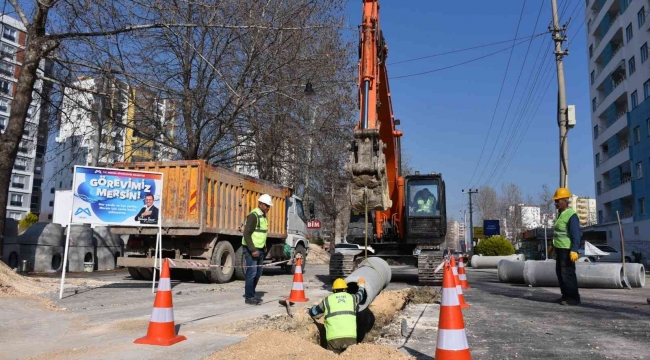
pixel 374 158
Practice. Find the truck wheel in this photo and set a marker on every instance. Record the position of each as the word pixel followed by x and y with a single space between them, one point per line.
pixel 146 273
pixel 292 269
pixel 135 274
pixel 224 256
pixel 240 262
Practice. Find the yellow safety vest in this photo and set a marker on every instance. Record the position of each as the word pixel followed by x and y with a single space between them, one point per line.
pixel 340 316
pixel 259 235
pixel 425 206
pixel 561 239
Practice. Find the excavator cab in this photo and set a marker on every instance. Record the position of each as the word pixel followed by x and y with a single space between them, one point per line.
pixel 425 209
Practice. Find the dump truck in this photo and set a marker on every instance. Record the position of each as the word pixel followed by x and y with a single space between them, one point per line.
pixel 203 212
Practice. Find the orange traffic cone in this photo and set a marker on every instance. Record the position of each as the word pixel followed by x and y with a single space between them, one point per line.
pixel 459 290
pixel 297 289
pixel 161 325
pixel 461 274
pixel 452 340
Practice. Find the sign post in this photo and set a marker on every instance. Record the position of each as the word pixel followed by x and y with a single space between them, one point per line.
pixel 104 196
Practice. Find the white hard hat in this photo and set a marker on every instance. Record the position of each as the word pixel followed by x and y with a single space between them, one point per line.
pixel 265 199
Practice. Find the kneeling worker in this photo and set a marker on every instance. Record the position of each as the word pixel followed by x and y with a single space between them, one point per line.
pixel 340 309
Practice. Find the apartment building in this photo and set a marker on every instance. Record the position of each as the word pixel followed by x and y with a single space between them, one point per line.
pixel 585 207
pixel 132 120
pixel 618 36
pixel 26 177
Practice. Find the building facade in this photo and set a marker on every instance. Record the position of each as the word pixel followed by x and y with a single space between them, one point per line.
pixel 132 121
pixel 26 178
pixel 585 207
pixel 618 36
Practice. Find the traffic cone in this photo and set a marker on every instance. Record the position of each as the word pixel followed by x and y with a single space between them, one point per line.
pixel 459 290
pixel 297 289
pixel 452 339
pixel 461 274
pixel 161 325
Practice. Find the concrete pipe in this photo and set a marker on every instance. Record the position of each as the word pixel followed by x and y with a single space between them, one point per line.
pixel 635 274
pixel 492 262
pixel 511 271
pixel 377 275
pixel 590 275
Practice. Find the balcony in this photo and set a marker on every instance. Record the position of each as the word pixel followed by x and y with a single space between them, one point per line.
pixel 618 156
pixel 607 23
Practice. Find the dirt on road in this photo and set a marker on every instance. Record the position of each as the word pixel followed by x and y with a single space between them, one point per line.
pixel 317 255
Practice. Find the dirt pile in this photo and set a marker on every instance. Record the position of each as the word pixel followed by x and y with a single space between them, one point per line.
pixel 317 255
pixel 273 344
pixel 14 284
pixel 424 295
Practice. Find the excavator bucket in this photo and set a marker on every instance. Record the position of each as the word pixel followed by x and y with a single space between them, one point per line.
pixel 368 169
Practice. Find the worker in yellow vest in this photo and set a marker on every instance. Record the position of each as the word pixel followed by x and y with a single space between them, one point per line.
pixel 340 310
pixel 566 241
pixel 256 226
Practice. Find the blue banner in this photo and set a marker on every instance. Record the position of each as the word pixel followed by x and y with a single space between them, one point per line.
pixel 491 228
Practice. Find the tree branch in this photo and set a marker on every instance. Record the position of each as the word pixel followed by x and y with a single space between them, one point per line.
pixel 20 12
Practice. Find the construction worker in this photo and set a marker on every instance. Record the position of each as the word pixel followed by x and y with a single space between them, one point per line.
pixel 566 241
pixel 254 243
pixel 425 202
pixel 340 310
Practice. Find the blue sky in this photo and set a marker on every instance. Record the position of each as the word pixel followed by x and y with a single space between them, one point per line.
pixel 446 114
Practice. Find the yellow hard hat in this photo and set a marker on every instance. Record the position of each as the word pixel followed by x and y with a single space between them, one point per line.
pixel 339 284
pixel 562 193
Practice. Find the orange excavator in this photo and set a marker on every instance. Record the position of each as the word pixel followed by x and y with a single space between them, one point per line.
pixel 403 218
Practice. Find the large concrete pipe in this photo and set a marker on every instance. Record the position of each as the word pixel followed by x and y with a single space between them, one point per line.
pixel 590 275
pixel 377 275
pixel 511 271
pixel 492 262
pixel 635 274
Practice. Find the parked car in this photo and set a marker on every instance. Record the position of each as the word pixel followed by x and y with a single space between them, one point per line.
pixel 348 246
pixel 614 255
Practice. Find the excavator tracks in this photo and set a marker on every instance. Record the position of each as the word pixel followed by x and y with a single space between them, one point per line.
pixel 342 265
pixel 428 261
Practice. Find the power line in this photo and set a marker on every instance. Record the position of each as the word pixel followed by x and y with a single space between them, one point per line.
pixel 505 75
pixel 459 64
pixel 512 98
pixel 465 49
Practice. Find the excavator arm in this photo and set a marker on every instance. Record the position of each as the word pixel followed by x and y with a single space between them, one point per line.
pixel 375 150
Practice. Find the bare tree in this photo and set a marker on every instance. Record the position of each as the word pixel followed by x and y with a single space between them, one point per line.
pixel 546 200
pixel 451 239
pixel 510 208
pixel 487 203
pixel 407 165
pixel 218 60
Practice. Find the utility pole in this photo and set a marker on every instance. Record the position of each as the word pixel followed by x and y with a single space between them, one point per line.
pixel 464 226
pixel 558 35
pixel 471 219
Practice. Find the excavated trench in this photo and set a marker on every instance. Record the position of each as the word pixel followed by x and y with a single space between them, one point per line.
pixel 307 336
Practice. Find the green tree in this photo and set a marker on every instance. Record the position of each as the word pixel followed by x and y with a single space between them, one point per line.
pixel 494 246
pixel 27 221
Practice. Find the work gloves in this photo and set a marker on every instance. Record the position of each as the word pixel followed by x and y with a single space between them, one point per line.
pixel 573 256
pixel 362 283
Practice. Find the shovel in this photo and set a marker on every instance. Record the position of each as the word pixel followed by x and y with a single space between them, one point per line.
pixel 626 282
pixel 287 304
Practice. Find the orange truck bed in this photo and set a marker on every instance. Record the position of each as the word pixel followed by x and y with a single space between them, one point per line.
pixel 199 198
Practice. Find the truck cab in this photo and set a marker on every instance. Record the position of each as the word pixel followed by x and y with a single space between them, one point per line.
pixel 425 210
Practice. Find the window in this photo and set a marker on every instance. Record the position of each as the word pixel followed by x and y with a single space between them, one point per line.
pixel 595 131
pixel 60 184
pixel 9 33
pixel 599 186
pixel 640 16
pixel 637 135
pixel 639 170
pixel 631 65
pixel 16 200
pixel 646 89
pixel 6 69
pixel 628 33
pixel 591 50
pixel 642 206
pixel 644 52
pixel 15 215
pixel 49 216
pixel 37 170
pixel 52 203
pixel 593 104
pixel 51 190
pixel 4 105
pixel 7 52
pixel 26 132
pixel 593 75
pixel 20 164
pixel 634 99
pixel 5 87
pixel 600 216
pixel 597 159
pixel 3 122
pixel 18 181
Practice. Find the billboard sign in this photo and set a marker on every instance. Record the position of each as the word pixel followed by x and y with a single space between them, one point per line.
pixel 116 197
pixel 491 228
pixel 314 224
pixel 478 232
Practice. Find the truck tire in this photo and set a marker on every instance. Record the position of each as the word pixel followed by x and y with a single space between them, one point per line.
pixel 147 273
pixel 240 263
pixel 224 256
pixel 292 269
pixel 135 274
